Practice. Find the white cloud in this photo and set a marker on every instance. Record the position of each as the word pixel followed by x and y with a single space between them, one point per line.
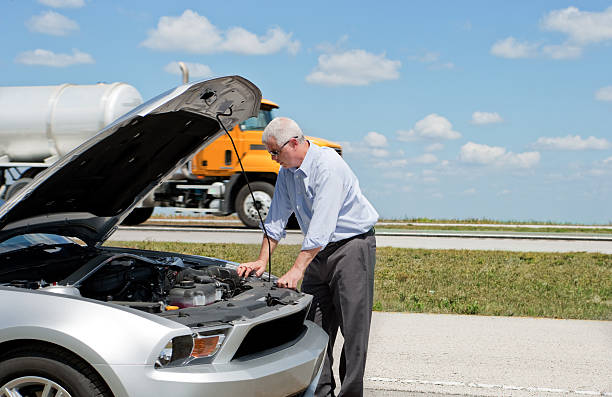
pixel 432 126
pixel 504 192
pixel 572 143
pixel 195 69
pixel 372 145
pixel 353 67
pixel 49 58
pixel 195 34
pixel 242 41
pixel 361 149
pixel 374 139
pixel 63 3
pixel 563 51
pixel 432 59
pixel 604 94
pixel 486 118
pixel 582 27
pixel 498 156
pixel 379 152
pixel 394 174
pixel 52 23
pixel 596 172
pixel 510 48
pixel 426 158
pixel 437 195
pixel 434 147
pixel 392 164
pixel 469 192
pixel 608 160
pixel 481 154
pixel 332 47
pixel 406 136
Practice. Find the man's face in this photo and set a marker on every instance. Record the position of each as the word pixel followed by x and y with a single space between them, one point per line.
pixel 284 154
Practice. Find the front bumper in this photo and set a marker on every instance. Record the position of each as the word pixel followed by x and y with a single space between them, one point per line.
pixel 287 372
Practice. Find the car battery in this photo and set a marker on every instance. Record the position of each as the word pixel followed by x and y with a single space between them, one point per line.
pixel 188 294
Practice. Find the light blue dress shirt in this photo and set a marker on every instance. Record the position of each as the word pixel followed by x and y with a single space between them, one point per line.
pixel 324 194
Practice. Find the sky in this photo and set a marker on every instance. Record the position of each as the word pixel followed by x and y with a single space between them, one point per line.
pixel 445 109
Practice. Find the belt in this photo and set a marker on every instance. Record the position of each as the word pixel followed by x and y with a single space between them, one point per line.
pixel 336 244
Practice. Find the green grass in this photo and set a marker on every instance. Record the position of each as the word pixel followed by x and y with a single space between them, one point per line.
pixel 500 283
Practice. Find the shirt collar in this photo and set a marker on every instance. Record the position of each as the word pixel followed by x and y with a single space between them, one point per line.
pixel 309 160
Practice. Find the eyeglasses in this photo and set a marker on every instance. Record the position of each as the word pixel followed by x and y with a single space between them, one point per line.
pixel 277 152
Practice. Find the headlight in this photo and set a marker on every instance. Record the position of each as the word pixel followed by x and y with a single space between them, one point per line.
pixel 207 345
pixel 176 351
pixel 199 348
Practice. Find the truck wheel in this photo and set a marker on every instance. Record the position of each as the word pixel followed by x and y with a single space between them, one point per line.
pixel 138 216
pixel 16 186
pixel 48 372
pixel 247 210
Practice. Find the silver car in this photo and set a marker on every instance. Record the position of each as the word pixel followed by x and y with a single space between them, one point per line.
pixel 81 319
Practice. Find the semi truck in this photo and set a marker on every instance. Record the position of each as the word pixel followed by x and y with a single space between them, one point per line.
pixel 39 125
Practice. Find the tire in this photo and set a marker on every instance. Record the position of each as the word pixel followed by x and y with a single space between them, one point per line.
pixel 16 186
pixel 138 216
pixel 27 371
pixel 247 212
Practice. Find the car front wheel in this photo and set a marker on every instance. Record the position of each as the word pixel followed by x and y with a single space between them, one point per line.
pixel 46 373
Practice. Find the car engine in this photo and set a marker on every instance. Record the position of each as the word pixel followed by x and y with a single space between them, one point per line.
pixel 152 284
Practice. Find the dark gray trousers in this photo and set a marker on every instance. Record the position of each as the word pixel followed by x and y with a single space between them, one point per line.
pixel 341 279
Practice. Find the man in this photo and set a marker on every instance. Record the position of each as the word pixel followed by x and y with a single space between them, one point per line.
pixel 339 249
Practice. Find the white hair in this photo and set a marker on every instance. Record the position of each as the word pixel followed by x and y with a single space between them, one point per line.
pixel 282 129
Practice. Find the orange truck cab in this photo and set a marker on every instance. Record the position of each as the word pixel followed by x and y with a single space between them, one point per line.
pixel 212 181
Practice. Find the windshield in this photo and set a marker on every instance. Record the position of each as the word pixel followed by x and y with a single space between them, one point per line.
pixel 29 240
pixel 257 123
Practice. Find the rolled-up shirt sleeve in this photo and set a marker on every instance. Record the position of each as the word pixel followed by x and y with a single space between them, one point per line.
pixel 325 209
pixel 280 210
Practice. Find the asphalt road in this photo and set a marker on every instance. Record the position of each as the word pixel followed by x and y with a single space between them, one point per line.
pixel 411 354
pixel 430 239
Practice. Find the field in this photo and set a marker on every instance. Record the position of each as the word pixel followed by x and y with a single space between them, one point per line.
pixel 499 283
pixel 480 225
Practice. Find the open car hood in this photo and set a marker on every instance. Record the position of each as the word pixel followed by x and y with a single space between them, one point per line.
pixel 88 192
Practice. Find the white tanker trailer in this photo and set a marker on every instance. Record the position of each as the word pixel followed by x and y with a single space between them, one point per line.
pixel 38 125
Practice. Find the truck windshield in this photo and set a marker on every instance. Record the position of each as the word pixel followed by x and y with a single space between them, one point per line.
pixel 257 123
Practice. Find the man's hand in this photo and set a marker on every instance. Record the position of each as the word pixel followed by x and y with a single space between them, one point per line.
pixel 257 268
pixel 291 278
pixel 295 274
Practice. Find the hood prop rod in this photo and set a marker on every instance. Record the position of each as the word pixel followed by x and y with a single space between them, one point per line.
pixel 250 190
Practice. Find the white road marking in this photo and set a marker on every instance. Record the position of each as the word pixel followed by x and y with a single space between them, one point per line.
pixel 489 386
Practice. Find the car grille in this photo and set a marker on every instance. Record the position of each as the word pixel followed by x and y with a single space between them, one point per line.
pixel 272 334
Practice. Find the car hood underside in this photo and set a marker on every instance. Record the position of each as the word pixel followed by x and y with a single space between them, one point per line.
pixel 90 190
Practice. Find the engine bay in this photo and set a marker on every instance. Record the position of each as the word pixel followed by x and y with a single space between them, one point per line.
pixel 169 284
